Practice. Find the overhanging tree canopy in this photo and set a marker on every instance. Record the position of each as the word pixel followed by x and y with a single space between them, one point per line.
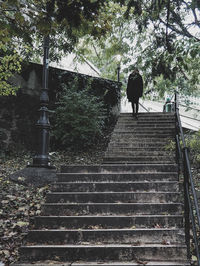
pixel 154 34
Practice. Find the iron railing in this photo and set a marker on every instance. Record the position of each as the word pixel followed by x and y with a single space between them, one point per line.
pixel 191 210
pixel 144 107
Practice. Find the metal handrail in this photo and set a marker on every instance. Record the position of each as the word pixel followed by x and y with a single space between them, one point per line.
pixel 144 107
pixel 190 197
pixel 189 107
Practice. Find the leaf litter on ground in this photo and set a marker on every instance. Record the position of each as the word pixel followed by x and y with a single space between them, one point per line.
pixel 20 203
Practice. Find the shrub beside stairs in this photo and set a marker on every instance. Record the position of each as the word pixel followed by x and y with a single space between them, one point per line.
pixel 127 211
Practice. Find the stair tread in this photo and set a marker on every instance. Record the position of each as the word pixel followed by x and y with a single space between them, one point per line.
pixel 117 182
pixel 109 216
pixel 111 192
pixel 108 230
pixel 95 263
pixel 121 173
pixel 105 246
pixel 154 263
pixel 111 203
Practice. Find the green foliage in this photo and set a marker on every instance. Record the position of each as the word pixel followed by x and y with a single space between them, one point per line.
pixel 23 25
pixel 154 35
pixel 193 142
pixel 79 118
pixel 109 51
pixel 10 63
pixel 170 146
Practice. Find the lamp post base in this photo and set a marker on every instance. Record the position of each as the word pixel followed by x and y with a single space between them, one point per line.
pixel 42 161
pixel 35 176
pixel 41 166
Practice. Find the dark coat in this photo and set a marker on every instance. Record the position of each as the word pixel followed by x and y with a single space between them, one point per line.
pixel 135 87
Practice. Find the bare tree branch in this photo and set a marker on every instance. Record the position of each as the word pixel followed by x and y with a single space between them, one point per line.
pixel 196 21
pixel 182 32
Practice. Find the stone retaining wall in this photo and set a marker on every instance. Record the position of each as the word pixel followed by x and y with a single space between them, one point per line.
pixel 18 114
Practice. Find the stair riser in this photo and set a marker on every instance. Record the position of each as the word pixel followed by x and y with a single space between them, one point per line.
pixel 129 162
pixel 98 187
pixel 135 237
pixel 126 177
pixel 86 222
pixel 136 153
pixel 141 142
pixel 146 121
pixel 147 125
pixel 102 253
pixel 140 149
pixel 139 124
pixel 96 263
pixel 110 209
pixel 113 157
pixel 148 114
pixel 141 130
pixel 126 147
pixel 118 168
pixel 141 136
pixel 113 197
pixel 138 144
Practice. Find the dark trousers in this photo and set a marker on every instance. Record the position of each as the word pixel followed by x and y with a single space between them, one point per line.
pixel 135 106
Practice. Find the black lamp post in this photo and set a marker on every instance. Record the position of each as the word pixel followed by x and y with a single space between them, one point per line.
pixel 118 72
pixel 41 158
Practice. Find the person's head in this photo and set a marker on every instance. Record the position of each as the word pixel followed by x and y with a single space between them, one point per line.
pixel 135 70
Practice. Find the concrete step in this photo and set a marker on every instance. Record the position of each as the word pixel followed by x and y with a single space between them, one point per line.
pixel 134 152
pixel 103 263
pixel 138 149
pixel 143 141
pixel 112 197
pixel 128 162
pixel 111 208
pixel 148 114
pixel 164 186
pixel 102 252
pixel 151 175
pixel 138 160
pixel 154 117
pixel 142 135
pixel 146 120
pixel 137 262
pixel 137 157
pixel 106 222
pixel 106 236
pixel 145 123
pixel 146 130
pixel 120 168
pixel 146 141
pixel 139 124
pixel 149 145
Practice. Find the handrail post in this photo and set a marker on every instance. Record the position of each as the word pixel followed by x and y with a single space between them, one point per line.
pixel 186 203
pixel 177 139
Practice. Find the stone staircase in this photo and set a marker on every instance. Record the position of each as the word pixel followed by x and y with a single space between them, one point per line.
pixel 127 211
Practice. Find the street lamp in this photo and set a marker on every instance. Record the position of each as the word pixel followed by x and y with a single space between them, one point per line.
pixel 118 57
pixel 118 72
pixel 41 158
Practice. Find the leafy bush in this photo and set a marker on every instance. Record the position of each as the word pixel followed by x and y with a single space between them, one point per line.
pixel 193 142
pixel 170 146
pixel 79 118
